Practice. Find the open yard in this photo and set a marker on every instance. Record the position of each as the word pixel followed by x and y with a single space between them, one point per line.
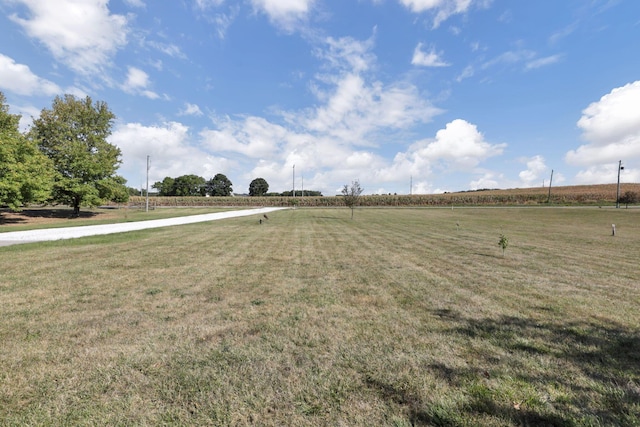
pixel 399 317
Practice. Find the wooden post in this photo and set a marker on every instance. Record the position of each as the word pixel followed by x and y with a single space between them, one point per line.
pixel 613 229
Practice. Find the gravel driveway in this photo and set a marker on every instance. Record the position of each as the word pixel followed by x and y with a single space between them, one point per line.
pixel 15 237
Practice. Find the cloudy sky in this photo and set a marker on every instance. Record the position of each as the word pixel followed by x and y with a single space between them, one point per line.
pixel 403 95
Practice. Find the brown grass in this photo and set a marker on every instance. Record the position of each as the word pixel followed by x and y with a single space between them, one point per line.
pixel 399 317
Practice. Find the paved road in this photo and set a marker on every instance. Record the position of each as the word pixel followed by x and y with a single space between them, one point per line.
pixel 15 237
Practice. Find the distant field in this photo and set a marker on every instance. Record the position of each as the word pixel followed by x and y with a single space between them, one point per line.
pixel 602 195
pixel 399 317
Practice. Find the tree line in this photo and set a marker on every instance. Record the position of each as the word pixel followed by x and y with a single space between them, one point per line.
pixel 218 186
pixel 63 158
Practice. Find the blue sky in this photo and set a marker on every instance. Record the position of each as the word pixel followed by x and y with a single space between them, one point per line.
pixel 403 95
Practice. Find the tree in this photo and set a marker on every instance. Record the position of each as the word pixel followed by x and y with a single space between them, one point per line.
pixel 25 173
pixel 73 134
pixel 352 194
pixel 189 185
pixel 219 185
pixel 629 198
pixel 165 187
pixel 258 187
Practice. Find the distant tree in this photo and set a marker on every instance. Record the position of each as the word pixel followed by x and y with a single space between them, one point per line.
pixel 352 194
pixel 73 134
pixel 189 185
pixel 258 187
pixel 26 175
pixel 165 187
pixel 219 185
pixel 302 193
pixel 629 198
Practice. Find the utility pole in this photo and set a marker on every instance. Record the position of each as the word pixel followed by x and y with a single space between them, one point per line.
pixel 620 167
pixel 147 204
pixel 302 184
pixel 550 182
pixel 411 185
pixel 293 190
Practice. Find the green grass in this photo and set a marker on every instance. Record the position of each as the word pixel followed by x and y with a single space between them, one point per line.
pixel 400 317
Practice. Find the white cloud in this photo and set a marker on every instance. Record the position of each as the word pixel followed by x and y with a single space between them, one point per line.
pixel 487 180
pixel 536 169
pixel 206 4
pixel 19 79
pixel 459 145
pixel 83 35
pixel 428 59
pixel 466 73
pixel 443 9
pixel 190 110
pixel 137 82
pixel 253 137
pixel 611 127
pixel 353 106
pixel 135 3
pixel 286 14
pixel 542 62
pixel 171 149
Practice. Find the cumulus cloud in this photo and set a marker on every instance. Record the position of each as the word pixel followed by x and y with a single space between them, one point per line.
pixel 460 145
pixel 286 14
pixel 83 35
pixel 457 147
pixel 427 59
pixel 536 168
pixel 19 79
pixel 171 149
pixel 137 82
pixel 611 128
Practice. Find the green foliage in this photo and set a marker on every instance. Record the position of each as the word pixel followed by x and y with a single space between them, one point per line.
pixel 73 134
pixel 258 187
pixel 503 242
pixel 25 173
pixel 165 187
pixel 219 186
pixel 189 185
pixel 629 198
pixel 351 195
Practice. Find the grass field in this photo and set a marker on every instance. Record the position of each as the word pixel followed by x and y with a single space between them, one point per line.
pixel 399 317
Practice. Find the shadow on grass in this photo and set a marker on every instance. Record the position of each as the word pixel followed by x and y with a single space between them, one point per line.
pixel 523 372
pixel 28 215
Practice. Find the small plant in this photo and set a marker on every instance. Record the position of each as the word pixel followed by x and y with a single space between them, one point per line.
pixel 503 242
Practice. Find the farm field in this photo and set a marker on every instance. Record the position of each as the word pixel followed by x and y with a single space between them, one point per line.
pixel 399 317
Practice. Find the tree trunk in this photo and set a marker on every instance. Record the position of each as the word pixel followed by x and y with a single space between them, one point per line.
pixel 76 207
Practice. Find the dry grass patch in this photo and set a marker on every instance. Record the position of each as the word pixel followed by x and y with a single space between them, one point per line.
pixel 399 317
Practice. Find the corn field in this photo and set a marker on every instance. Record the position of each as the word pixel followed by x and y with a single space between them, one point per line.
pixel 604 195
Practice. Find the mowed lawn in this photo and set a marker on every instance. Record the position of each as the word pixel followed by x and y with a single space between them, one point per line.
pixel 398 317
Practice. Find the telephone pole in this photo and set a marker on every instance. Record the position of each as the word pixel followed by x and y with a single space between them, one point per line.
pixel 620 167
pixel 147 203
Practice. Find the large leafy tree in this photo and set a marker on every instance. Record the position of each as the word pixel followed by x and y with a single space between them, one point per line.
pixel 165 187
pixel 189 185
pixel 25 173
pixel 73 134
pixel 258 187
pixel 219 185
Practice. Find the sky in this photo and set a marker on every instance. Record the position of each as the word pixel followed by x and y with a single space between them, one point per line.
pixel 404 96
